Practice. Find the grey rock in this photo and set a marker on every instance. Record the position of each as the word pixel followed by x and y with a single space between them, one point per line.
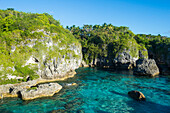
pixel 146 67
pixel 42 90
pixel 13 90
pixel 124 60
pixel 56 68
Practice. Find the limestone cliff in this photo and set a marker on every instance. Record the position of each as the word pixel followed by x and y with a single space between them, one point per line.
pixel 123 57
pixel 161 54
pixel 34 48
pixel 126 57
pixel 48 58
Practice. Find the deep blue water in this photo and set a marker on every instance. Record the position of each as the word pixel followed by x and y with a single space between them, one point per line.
pixel 100 91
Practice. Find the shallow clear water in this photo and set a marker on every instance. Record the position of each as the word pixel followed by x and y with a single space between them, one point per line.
pixel 100 91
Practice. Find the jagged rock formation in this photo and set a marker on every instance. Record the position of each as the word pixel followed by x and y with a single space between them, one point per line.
pixel 13 90
pixel 146 67
pixel 124 60
pixel 131 52
pixel 42 90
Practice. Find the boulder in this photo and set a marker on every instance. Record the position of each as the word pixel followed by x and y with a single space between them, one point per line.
pixel 146 67
pixel 137 95
pixel 42 90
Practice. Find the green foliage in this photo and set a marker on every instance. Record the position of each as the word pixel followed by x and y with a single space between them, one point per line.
pixel 26 71
pixel 17 31
pixel 106 41
pixel 102 40
pixel 32 88
pixel 12 9
pixel 158 45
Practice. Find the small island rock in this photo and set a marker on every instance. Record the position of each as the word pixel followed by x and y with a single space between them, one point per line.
pixel 137 95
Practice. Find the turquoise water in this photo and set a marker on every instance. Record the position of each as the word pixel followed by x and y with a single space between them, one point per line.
pixel 100 91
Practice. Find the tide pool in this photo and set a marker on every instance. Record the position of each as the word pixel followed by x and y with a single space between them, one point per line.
pixel 99 91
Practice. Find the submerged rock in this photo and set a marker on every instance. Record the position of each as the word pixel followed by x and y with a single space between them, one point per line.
pixel 137 95
pixel 146 67
pixel 42 90
pixel 68 84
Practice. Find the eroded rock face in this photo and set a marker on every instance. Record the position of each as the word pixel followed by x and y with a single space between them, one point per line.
pixel 58 67
pixel 13 90
pixel 146 67
pixel 47 57
pixel 125 60
pixel 42 90
pixel 137 95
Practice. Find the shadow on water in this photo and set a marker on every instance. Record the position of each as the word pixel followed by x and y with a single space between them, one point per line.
pixel 117 93
pixel 5 111
pixel 101 111
pixel 144 106
pixel 147 106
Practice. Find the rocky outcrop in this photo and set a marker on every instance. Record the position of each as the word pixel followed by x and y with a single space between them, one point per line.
pixel 137 95
pixel 45 57
pixel 125 60
pixel 160 52
pixel 13 90
pixel 52 61
pixel 59 67
pixel 126 57
pixel 42 90
pixel 146 67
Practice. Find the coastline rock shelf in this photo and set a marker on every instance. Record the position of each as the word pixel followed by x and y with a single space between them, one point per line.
pixel 42 90
pixel 14 90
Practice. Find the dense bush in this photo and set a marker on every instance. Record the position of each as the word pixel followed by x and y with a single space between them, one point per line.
pixel 17 29
pixel 107 41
